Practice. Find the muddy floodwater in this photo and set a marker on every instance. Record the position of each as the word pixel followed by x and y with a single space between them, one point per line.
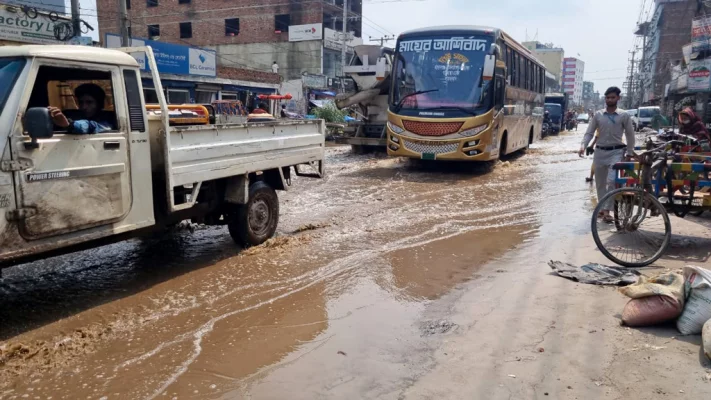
pixel 349 300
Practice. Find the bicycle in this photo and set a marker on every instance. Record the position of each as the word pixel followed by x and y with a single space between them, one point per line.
pixel 640 230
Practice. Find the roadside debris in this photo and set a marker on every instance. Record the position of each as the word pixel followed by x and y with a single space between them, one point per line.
pixel 654 301
pixel 698 301
pixel 596 274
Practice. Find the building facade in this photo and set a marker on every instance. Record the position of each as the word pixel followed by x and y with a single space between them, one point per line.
pixel 663 37
pixel 300 36
pixel 573 70
pixel 550 56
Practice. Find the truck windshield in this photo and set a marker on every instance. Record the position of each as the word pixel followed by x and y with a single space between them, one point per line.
pixel 10 69
pixel 441 76
pixel 554 110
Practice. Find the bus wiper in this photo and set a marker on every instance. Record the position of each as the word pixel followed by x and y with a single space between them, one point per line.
pixel 398 107
pixel 462 109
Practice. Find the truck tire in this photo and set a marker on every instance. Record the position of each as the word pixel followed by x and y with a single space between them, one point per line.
pixel 255 222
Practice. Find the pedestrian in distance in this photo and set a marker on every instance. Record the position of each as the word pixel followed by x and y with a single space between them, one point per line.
pixel 612 124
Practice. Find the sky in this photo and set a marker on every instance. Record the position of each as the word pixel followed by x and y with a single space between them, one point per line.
pixel 599 32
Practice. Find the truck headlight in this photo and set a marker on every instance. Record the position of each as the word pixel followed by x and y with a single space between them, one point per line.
pixel 474 131
pixel 395 128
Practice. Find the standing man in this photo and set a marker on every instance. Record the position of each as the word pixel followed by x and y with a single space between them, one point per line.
pixel 610 149
pixel 275 68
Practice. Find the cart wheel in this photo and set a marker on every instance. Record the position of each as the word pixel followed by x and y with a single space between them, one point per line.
pixel 696 213
pixel 640 232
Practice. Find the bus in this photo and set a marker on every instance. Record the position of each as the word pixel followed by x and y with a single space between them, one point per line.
pixel 463 93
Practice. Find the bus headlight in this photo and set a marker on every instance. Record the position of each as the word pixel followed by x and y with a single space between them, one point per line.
pixel 474 131
pixel 395 128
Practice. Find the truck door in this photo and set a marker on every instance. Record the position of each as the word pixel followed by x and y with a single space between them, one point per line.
pixel 73 181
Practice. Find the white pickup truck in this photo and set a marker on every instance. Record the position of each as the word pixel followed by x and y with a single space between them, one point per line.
pixel 61 191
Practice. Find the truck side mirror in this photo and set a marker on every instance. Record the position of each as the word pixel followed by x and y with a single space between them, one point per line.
pixel 38 124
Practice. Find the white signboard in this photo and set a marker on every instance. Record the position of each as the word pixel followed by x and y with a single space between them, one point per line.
pixel 18 27
pixel 332 40
pixel 301 33
pixel 699 75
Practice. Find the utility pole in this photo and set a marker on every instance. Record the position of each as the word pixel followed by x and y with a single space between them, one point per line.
pixel 76 19
pixel 123 21
pixel 382 40
pixel 345 34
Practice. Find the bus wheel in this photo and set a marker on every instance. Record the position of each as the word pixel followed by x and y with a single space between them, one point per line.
pixel 502 149
pixel 530 138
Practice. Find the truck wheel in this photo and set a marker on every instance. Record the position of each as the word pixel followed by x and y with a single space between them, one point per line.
pixel 255 222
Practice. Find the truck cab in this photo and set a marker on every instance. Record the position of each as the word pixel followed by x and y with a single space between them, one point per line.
pixel 63 186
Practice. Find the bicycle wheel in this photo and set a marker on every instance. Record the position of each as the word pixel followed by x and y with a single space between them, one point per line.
pixel 640 232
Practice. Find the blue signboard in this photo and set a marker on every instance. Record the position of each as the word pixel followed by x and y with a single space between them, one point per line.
pixel 171 58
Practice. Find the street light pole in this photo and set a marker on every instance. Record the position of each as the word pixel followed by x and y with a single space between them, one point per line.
pixel 345 34
pixel 76 19
pixel 123 21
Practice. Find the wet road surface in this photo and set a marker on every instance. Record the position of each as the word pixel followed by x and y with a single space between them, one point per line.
pixel 351 300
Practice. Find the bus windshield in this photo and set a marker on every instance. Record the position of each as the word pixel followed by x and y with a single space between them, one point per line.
pixel 441 76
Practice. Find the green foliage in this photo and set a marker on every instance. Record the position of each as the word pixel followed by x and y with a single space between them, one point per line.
pixel 330 113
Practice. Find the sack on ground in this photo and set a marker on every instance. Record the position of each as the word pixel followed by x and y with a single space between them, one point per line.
pixel 651 310
pixel 669 284
pixel 697 290
pixel 706 338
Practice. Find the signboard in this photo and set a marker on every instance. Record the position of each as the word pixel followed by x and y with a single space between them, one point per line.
pixel 686 51
pixel 332 40
pixel 700 34
pixel 300 33
pixel 16 26
pixel 699 75
pixel 172 58
pixel 41 5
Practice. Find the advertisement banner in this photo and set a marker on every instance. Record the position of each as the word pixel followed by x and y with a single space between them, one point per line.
pixel 300 33
pixel 171 58
pixel 16 26
pixel 700 34
pixel 43 5
pixel 699 75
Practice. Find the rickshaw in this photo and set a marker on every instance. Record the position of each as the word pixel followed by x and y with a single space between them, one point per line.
pixel 661 180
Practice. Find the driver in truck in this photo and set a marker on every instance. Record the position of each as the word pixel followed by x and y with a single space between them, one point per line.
pixel 91 100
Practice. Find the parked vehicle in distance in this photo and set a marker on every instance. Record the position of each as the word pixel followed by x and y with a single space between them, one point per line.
pixel 645 116
pixel 555 113
pixel 584 118
pixel 633 114
pixel 562 100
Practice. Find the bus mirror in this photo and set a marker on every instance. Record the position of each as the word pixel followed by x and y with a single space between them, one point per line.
pixel 495 50
pixel 489 64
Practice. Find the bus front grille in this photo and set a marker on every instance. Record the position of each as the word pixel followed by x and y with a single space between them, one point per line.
pixel 431 148
pixel 432 128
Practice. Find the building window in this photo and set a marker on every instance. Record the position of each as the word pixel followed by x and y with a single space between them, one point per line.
pixel 153 31
pixel 282 22
pixel 229 96
pixel 178 96
pixel 205 97
pixel 151 3
pixel 186 30
pixel 183 1
pixel 232 27
pixel 128 4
